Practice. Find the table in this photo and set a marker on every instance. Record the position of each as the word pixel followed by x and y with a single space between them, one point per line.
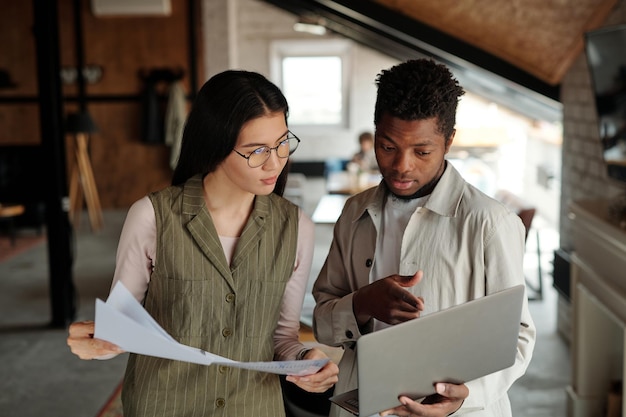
pixel 329 208
pixel 345 182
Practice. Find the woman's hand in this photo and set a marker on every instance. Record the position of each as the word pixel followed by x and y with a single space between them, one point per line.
pixel 320 381
pixel 83 344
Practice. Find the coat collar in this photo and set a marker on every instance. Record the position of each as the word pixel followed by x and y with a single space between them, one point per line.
pixel 446 197
pixel 444 200
pixel 202 228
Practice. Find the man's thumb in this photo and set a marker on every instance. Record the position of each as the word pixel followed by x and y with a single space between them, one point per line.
pixel 410 280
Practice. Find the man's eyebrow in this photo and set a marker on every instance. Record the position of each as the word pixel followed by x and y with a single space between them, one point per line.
pixel 385 137
pixel 423 142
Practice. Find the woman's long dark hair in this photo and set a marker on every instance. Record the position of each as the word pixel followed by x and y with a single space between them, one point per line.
pixel 223 105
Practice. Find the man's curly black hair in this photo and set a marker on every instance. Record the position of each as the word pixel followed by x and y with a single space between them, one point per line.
pixel 419 89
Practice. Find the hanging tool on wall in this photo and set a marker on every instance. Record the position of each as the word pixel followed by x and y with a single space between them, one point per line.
pixel 156 84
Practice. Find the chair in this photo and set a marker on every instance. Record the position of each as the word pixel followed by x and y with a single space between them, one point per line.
pixel 300 403
pixel 294 189
pixel 8 213
pixel 526 213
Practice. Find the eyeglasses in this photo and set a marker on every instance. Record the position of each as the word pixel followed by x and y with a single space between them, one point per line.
pixel 284 149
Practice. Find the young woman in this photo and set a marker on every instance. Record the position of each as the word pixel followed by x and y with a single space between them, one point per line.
pixel 220 260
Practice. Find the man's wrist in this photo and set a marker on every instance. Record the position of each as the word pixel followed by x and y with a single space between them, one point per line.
pixel 452 413
pixel 361 317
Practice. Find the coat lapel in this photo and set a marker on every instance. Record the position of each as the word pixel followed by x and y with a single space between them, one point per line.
pixel 252 230
pixel 202 229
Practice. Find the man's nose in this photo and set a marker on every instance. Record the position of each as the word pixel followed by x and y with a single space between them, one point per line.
pixel 403 162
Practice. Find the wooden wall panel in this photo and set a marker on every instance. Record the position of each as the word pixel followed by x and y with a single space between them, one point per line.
pixel 125 45
pixel 542 37
pixel 18 121
pixel 125 168
pixel 17 47
pixel 19 124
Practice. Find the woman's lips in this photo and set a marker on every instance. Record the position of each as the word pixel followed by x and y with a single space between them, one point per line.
pixel 270 181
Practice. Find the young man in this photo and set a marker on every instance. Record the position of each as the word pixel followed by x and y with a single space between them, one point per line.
pixel 422 241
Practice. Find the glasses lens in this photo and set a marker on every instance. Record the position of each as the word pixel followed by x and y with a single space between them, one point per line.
pixel 285 148
pixel 292 144
pixel 259 156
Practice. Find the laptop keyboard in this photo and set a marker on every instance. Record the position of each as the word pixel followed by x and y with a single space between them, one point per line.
pixel 353 402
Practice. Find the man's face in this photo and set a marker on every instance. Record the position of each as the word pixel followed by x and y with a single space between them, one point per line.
pixel 410 153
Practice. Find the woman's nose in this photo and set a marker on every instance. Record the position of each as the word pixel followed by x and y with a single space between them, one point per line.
pixel 273 160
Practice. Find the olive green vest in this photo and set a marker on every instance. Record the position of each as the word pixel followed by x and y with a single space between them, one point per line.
pixel 200 300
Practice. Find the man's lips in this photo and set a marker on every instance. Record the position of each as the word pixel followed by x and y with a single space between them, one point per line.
pixel 400 184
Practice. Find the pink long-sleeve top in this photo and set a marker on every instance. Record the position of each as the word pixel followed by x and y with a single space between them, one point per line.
pixel 136 257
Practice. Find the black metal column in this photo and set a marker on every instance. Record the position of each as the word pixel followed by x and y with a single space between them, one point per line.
pixel 54 179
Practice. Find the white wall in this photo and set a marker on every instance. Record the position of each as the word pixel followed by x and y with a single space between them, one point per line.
pixel 583 168
pixel 245 30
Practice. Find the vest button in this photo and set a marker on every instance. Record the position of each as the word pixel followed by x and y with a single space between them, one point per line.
pixel 230 298
pixel 227 332
pixel 349 334
pixel 220 403
pixel 222 369
pixel 368 263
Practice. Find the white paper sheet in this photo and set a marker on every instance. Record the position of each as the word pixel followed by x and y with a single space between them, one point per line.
pixel 122 320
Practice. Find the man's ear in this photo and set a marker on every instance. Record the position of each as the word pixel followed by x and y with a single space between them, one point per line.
pixel 449 141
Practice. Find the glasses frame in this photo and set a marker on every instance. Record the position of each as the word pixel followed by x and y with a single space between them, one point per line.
pixel 290 135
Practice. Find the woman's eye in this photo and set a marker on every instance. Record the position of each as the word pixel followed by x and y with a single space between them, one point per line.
pixel 260 151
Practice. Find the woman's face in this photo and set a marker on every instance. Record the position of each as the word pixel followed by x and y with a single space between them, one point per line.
pixel 266 131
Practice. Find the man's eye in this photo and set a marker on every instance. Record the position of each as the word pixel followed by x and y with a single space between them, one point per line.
pixel 284 143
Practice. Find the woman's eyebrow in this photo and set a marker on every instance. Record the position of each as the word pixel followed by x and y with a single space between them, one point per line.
pixel 258 145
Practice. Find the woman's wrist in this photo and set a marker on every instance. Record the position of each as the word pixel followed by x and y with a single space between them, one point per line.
pixel 302 354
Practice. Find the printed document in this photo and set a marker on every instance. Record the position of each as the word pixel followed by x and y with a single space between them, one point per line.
pixel 122 320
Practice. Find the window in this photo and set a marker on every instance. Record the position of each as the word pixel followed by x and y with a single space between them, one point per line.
pixel 313 77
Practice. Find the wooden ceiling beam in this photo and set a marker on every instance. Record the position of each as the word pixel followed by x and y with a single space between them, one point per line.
pixel 401 37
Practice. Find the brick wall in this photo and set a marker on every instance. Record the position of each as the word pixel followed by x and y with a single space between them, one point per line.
pixel 583 169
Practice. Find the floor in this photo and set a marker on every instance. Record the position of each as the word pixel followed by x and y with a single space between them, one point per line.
pixel 41 376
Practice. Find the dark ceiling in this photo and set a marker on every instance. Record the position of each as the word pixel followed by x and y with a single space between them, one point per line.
pixel 513 52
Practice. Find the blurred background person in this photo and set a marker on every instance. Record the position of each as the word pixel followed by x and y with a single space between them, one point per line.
pixel 365 158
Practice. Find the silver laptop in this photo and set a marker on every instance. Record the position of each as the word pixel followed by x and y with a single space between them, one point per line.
pixel 457 345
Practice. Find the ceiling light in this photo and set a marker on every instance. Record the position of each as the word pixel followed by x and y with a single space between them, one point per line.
pixel 310 24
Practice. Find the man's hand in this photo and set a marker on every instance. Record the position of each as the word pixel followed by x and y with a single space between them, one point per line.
pixel 448 399
pixel 83 344
pixel 320 381
pixel 387 300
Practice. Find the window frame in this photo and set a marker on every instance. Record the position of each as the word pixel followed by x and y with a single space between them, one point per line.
pixel 302 48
